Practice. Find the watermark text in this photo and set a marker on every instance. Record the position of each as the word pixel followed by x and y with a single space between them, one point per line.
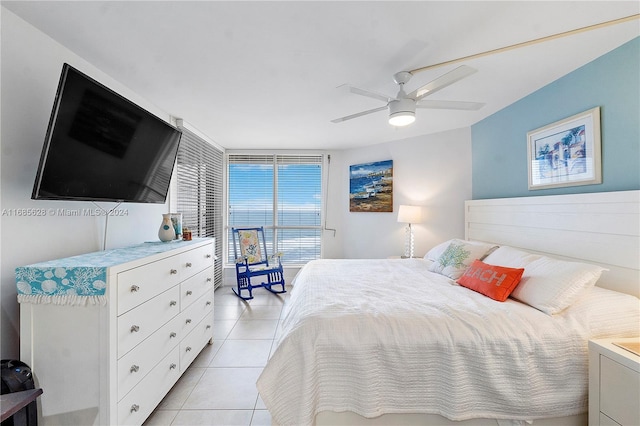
pixel 62 212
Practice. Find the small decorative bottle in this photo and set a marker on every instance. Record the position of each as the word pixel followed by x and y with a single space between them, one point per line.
pixel 186 234
pixel 166 231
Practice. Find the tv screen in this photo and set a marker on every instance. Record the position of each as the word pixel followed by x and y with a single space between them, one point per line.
pixel 100 146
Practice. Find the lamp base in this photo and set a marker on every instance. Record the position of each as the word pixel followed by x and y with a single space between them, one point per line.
pixel 408 246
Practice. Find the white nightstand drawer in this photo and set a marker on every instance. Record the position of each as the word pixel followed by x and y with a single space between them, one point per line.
pixel 619 392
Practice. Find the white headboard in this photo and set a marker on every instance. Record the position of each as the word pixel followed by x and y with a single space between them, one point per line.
pixel 601 228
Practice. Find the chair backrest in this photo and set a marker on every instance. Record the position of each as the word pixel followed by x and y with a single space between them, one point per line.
pixel 250 243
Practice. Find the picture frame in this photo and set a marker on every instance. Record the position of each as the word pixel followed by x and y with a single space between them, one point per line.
pixel 371 187
pixel 566 153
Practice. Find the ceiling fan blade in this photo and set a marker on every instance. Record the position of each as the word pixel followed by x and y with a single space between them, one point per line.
pixel 368 93
pixel 442 82
pixel 360 114
pixel 471 106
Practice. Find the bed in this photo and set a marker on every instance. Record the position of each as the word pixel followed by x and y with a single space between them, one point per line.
pixel 399 341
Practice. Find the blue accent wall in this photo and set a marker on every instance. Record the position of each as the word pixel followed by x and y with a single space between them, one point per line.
pixel 612 82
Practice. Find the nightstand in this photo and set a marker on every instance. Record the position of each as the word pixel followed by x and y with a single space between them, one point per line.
pixel 614 383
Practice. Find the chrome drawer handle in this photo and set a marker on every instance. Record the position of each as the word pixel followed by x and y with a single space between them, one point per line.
pixel 188 349
pixel 172 335
pixel 208 302
pixel 134 288
pixel 173 303
pixel 134 408
pixel 208 256
pixel 172 367
pixel 173 271
pixel 134 368
pixel 189 292
pixel 134 328
pixel 208 280
pixel 188 264
pixel 208 326
pixel 188 321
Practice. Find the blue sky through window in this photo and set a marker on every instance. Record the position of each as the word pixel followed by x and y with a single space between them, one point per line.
pixel 299 204
pixel 251 193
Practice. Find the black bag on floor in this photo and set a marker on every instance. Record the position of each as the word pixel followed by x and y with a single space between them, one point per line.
pixel 16 376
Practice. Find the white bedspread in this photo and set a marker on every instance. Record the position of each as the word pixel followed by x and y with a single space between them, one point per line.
pixel 388 336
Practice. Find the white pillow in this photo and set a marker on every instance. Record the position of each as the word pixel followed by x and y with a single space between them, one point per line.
pixel 552 285
pixel 510 257
pixel 457 257
pixel 607 313
pixel 437 251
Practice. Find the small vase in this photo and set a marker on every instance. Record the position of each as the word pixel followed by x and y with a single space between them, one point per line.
pixel 166 231
pixel 176 219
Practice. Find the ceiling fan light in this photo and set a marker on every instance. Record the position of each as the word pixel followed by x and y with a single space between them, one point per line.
pixel 402 118
pixel 402 112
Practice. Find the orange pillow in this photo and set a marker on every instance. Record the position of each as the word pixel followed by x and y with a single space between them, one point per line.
pixel 496 282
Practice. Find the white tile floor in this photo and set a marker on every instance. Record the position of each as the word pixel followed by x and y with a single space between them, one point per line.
pixel 219 387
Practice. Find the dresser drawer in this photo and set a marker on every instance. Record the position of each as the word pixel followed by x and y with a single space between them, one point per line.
pixel 191 316
pixel 619 392
pixel 136 406
pixel 138 285
pixel 140 323
pixel 191 345
pixel 138 362
pixel 196 286
pixel 196 260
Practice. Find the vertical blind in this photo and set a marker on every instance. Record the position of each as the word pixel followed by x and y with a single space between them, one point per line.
pixel 282 193
pixel 199 174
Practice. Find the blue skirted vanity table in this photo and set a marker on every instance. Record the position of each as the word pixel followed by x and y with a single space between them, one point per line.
pixel 107 334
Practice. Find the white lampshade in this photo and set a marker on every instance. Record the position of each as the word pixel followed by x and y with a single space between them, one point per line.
pixel 409 214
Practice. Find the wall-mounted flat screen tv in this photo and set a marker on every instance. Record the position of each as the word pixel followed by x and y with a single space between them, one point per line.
pixel 100 146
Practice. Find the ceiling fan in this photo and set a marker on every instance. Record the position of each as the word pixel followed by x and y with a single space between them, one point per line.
pixel 402 107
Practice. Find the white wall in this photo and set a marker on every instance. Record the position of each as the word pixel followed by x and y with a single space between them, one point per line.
pixel 30 67
pixel 433 171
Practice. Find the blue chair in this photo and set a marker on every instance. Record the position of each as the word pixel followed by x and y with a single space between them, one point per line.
pixel 253 264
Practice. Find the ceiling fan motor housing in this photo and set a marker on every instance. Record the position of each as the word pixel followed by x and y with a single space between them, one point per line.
pixel 403 107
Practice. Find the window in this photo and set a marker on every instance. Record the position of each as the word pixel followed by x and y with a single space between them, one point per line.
pixel 283 193
pixel 199 173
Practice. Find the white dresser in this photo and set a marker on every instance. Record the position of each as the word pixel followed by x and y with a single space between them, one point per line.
pixel 614 383
pixel 108 334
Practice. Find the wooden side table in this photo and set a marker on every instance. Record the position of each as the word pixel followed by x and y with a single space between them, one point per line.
pixel 11 403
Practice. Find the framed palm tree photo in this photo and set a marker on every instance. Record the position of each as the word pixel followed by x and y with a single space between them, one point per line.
pixel 566 153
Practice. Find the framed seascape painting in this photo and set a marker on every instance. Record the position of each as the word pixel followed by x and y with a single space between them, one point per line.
pixel 566 153
pixel 371 187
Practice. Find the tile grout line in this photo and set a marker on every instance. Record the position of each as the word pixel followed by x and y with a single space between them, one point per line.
pixel 236 319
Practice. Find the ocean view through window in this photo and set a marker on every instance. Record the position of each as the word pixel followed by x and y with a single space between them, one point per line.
pixel 282 193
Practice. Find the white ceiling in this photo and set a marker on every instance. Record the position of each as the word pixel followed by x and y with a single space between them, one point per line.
pixel 255 75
